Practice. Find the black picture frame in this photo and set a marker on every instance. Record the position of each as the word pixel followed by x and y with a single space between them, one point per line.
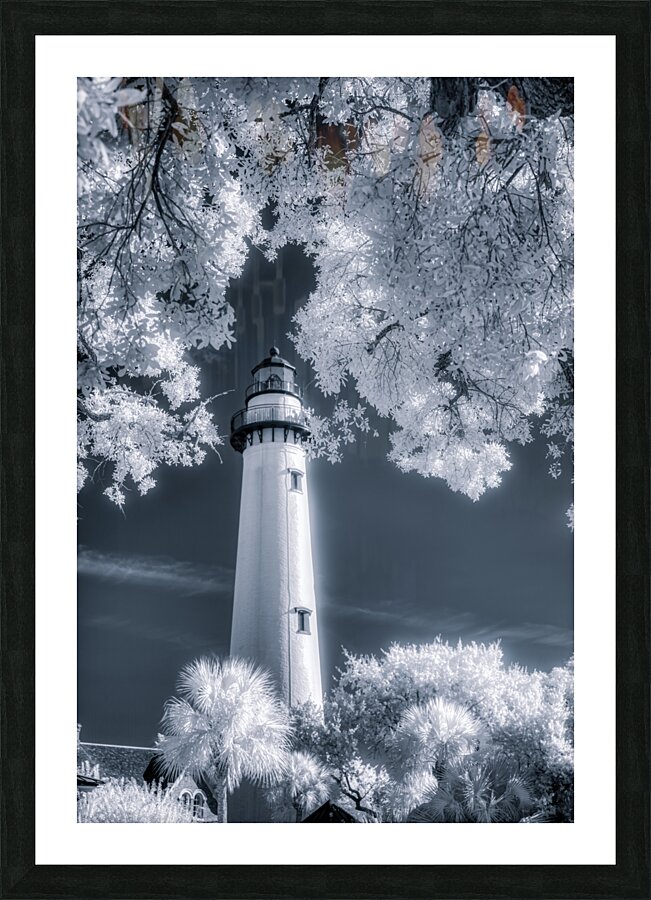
pixel 21 21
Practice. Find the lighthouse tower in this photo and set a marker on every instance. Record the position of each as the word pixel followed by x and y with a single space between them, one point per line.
pixel 274 610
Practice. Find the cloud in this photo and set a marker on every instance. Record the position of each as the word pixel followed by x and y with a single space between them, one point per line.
pixel 533 632
pixel 149 631
pixel 404 613
pixel 160 572
pixel 452 624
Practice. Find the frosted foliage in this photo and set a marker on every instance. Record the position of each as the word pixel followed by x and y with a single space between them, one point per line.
pixel 162 223
pixel 442 248
pixel 483 790
pixel 303 786
pixel 422 718
pixel 435 733
pixel 226 724
pixel 331 434
pixel 444 288
pixel 570 517
pixel 517 707
pixel 128 801
pixel 404 795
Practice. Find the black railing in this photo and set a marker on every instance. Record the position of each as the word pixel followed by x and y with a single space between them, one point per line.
pixel 273 384
pixel 268 415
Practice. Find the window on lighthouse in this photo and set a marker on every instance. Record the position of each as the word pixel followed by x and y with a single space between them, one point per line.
pixel 296 481
pixel 303 616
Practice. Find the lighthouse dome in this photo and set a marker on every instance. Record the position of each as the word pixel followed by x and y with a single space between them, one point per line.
pixel 273 361
pixel 274 375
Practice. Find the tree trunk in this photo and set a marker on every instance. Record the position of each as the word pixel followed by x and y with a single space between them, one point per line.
pixel 222 800
pixel 218 789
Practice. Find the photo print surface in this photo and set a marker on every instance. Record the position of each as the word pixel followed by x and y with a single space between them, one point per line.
pixel 325 425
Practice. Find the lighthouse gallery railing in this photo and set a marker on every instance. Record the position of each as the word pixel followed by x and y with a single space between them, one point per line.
pixel 268 415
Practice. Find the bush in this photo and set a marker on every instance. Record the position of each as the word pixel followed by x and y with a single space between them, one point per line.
pixel 128 801
pixel 417 711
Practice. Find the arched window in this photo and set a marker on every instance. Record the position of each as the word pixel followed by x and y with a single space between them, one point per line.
pixel 199 804
pixel 186 799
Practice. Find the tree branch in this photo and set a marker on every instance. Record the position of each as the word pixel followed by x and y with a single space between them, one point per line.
pixel 89 414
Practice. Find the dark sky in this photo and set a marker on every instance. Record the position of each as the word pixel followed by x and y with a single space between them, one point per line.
pixel 397 557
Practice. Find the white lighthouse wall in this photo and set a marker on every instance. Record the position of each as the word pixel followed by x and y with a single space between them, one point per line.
pixel 274 573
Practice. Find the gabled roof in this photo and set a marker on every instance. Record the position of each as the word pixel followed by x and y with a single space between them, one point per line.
pixel 154 772
pixel 115 761
pixel 87 781
pixel 330 812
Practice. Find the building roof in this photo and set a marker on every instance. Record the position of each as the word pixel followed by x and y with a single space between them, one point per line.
pixel 87 781
pixel 115 761
pixel 330 812
pixel 154 772
pixel 140 763
pixel 274 359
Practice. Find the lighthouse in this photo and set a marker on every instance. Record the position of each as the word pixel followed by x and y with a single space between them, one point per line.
pixel 274 607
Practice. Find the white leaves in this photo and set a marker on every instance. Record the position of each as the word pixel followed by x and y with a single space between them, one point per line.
pixel 403 283
pixel 182 387
pixel 228 723
pixel 534 363
pixel 82 475
pixel 129 97
pixel 127 801
pixel 329 435
pixel 304 784
pixel 436 733
pixel 450 724
pixel 570 517
pixel 469 469
pixel 443 263
pixel 135 435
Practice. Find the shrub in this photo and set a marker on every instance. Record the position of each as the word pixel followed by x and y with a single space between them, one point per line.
pixel 126 800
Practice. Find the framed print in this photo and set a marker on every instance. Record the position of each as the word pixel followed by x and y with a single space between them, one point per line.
pixel 321 566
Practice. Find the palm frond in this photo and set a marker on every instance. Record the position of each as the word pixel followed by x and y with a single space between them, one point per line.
pixel 439 731
pixel 227 722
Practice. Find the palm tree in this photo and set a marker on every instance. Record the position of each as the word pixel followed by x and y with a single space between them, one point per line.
pixel 404 794
pixel 304 785
pixel 228 724
pixel 434 735
pixel 482 790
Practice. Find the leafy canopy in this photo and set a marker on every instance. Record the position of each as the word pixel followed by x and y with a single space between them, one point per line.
pixel 438 214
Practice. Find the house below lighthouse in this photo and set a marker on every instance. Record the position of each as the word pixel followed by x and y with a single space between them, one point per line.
pixel 274 608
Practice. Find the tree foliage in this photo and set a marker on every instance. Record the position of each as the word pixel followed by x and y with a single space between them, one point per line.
pixel 482 790
pixel 303 785
pixel 438 213
pixel 434 721
pixel 227 724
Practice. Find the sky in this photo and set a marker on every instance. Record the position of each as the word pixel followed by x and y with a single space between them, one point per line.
pixel 397 557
